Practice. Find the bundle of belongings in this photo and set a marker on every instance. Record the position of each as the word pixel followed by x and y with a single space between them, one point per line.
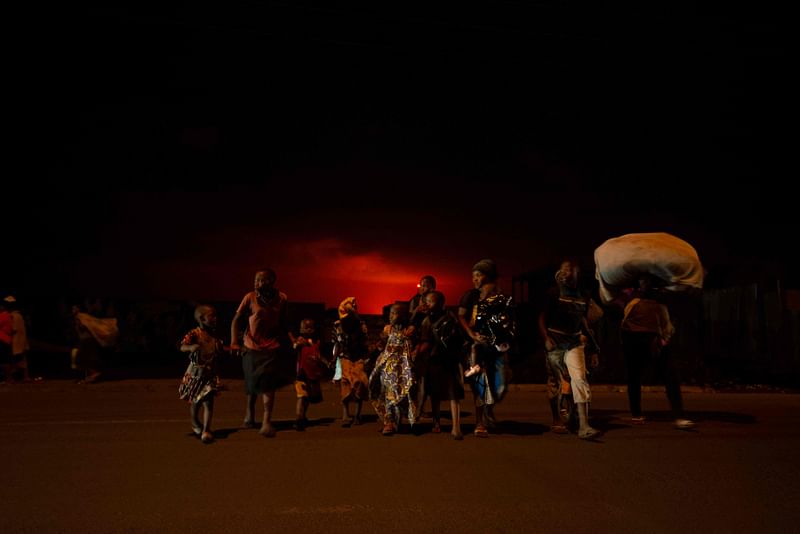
pixel 621 261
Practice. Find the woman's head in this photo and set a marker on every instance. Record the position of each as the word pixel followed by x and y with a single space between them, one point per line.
pixel 483 272
pixel 265 279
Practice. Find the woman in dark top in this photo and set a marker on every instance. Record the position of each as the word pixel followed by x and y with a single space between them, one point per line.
pixel 485 314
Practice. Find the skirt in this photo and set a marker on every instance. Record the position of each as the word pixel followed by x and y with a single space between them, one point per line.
pixel 266 370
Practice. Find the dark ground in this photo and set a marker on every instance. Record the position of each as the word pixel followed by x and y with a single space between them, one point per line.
pixel 118 456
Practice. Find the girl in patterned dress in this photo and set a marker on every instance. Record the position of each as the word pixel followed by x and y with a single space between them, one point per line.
pixel 200 382
pixel 392 382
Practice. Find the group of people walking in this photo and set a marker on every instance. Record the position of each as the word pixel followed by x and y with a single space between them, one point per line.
pixel 425 352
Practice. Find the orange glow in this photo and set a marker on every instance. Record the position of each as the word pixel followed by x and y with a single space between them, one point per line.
pixel 324 271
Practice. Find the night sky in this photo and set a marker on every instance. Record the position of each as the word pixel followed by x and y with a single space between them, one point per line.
pixel 355 149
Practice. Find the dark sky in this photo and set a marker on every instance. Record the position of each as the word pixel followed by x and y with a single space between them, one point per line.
pixel 357 148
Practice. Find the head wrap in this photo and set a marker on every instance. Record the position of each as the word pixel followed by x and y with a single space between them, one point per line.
pixel 347 307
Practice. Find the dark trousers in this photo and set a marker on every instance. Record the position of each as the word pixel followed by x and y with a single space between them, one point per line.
pixel 642 351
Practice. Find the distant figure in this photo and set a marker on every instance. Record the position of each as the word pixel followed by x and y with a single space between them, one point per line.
pixel 646 331
pixel 352 350
pixel 19 343
pixel 94 335
pixel 6 336
pixel 310 367
pixel 391 382
pixel 266 344
pixel 200 382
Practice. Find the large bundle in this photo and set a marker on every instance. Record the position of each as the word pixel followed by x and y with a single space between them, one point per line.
pixel 621 261
pixel 105 331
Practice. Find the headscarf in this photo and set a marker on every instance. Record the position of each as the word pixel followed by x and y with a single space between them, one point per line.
pixel 347 307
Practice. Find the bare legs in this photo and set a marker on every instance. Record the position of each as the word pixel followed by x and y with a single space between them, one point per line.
pixel 203 430
pixel 267 429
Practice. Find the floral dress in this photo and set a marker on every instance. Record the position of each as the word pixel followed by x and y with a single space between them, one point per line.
pixel 200 381
pixel 391 382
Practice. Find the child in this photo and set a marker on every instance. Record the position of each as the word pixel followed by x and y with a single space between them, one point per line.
pixel 200 383
pixel 392 381
pixel 352 350
pixel 441 345
pixel 309 371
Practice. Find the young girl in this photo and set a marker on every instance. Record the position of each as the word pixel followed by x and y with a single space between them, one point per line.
pixel 392 381
pixel 309 371
pixel 200 381
pixel 351 348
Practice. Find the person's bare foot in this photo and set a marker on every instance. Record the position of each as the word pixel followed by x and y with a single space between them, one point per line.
pixel 268 431
pixel 92 378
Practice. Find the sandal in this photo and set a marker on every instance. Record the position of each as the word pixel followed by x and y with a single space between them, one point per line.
pixel 481 432
pixel 388 429
pixel 207 437
pixel 436 429
pixel 559 429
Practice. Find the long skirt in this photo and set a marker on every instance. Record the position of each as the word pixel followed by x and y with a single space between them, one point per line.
pixel 392 388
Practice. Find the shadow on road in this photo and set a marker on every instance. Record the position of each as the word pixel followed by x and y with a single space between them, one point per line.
pixel 604 418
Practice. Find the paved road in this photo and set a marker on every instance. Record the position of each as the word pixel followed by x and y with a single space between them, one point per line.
pixel 119 457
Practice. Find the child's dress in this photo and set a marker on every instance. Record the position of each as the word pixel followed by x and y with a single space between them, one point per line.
pixel 309 372
pixel 392 382
pixel 200 381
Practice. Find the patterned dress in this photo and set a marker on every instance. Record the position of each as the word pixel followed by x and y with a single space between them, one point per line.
pixel 200 381
pixel 392 381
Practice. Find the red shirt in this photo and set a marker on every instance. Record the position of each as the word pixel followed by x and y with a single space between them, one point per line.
pixel 266 321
